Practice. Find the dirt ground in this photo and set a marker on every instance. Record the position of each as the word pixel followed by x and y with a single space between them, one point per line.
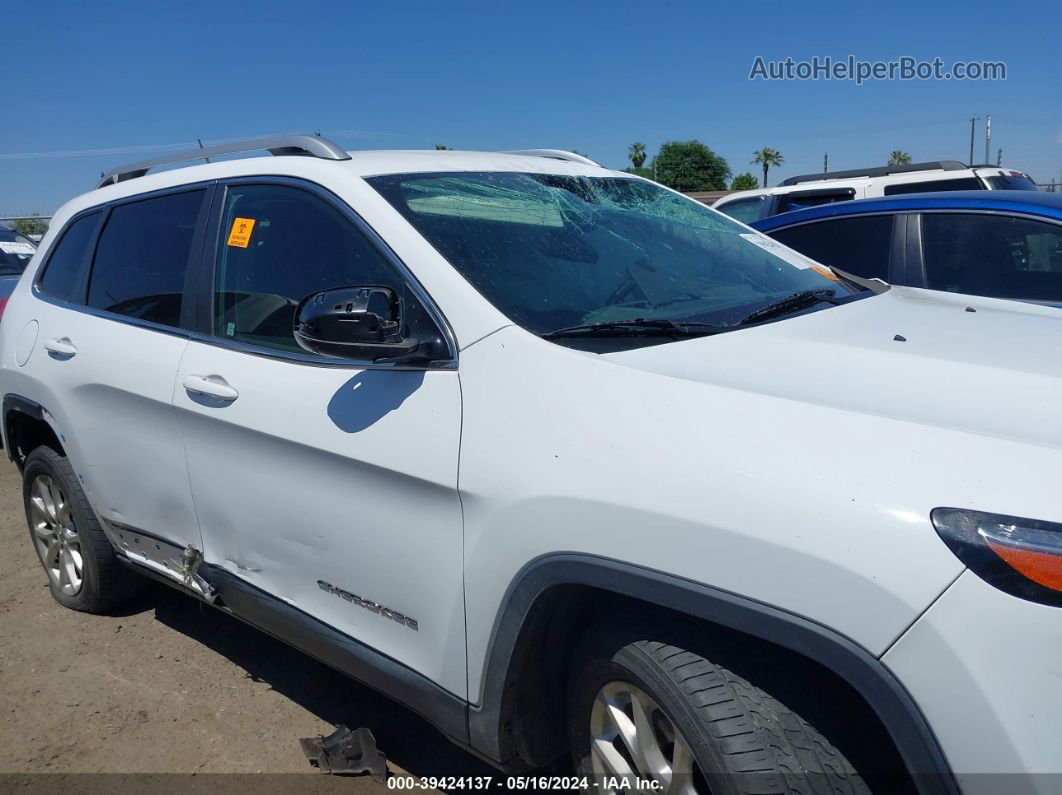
pixel 166 685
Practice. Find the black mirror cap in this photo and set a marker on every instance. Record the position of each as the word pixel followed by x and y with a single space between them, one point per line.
pixel 358 322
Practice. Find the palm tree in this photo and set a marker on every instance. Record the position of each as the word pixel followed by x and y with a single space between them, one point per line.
pixel 899 158
pixel 767 157
pixel 636 154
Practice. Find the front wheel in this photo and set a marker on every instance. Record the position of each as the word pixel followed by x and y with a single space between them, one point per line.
pixel 644 707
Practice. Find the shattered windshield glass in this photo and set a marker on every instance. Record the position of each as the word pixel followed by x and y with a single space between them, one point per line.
pixel 552 251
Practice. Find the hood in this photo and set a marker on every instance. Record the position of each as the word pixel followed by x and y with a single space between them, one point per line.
pixel 981 365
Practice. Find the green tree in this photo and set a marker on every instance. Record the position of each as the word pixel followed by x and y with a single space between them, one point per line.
pixel 744 182
pixel 899 158
pixel 34 225
pixel 636 154
pixel 441 146
pixel 690 165
pixel 640 172
pixel 767 157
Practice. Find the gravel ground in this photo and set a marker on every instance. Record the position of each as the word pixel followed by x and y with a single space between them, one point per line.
pixel 166 685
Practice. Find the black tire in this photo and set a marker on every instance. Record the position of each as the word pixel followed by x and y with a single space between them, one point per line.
pixel 105 582
pixel 744 740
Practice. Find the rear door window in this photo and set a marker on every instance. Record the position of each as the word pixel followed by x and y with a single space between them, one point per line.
pixel 861 246
pixel 142 257
pixel 61 273
pixel 813 198
pixel 929 186
pixel 994 255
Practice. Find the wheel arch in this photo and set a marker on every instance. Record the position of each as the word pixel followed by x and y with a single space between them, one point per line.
pixel 27 425
pixel 558 591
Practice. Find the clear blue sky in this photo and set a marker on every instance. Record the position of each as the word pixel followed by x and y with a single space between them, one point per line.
pixel 591 76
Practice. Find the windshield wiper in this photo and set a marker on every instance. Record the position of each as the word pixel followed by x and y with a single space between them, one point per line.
pixel 791 303
pixel 639 327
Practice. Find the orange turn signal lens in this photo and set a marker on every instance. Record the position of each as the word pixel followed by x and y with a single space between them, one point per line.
pixel 1042 567
pixel 1020 556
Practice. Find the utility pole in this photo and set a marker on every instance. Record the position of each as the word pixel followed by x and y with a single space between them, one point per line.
pixel 825 164
pixel 988 135
pixel 973 127
pixel 999 156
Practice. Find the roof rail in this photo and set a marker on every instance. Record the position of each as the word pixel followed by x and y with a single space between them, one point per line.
pixel 555 154
pixel 879 171
pixel 310 145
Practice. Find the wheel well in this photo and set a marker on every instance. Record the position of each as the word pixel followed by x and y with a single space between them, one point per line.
pixel 25 433
pixel 534 708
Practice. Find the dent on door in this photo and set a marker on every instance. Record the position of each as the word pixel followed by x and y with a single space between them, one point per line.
pixel 335 490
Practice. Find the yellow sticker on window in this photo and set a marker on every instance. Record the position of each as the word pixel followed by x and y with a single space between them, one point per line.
pixel 240 235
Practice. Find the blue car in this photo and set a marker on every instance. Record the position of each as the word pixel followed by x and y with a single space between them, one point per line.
pixel 1002 244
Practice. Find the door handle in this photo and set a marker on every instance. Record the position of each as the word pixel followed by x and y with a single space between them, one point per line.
pixel 210 385
pixel 61 346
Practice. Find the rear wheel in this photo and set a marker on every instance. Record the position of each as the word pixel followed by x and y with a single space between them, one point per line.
pixel 83 570
pixel 645 706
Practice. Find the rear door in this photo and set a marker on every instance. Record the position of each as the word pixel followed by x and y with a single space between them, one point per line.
pixel 110 312
pixel 329 484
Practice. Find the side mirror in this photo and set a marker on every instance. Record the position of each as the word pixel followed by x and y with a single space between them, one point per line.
pixel 353 323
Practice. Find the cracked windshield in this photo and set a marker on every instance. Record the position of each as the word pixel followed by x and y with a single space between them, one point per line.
pixel 554 251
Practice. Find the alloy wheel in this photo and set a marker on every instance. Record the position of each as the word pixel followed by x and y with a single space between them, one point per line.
pixel 55 534
pixel 631 737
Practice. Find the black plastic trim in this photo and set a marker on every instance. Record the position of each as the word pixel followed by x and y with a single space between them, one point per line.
pixel 439 707
pixel 25 406
pixel 916 264
pixel 898 255
pixel 915 741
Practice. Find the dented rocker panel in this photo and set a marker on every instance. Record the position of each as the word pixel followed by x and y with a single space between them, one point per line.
pixel 165 558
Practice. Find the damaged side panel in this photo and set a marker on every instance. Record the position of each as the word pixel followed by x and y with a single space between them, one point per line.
pixel 180 564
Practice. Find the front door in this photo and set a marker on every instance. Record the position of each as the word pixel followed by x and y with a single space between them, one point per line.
pixel 327 483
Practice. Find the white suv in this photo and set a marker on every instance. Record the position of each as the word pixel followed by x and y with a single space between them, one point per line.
pixel 560 459
pixel 811 190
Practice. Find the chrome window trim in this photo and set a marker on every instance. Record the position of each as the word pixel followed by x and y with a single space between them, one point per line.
pixel 129 320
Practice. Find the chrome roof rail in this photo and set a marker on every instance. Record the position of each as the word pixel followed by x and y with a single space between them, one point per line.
pixel 309 145
pixel 555 154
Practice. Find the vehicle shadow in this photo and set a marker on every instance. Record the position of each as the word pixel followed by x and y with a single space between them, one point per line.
pixel 406 739
pixel 370 396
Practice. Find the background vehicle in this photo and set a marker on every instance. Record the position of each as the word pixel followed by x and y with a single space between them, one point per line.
pixel 16 250
pixel 560 459
pixel 1004 244
pixel 812 190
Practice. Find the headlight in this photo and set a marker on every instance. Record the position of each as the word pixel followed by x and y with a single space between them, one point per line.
pixel 1020 556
